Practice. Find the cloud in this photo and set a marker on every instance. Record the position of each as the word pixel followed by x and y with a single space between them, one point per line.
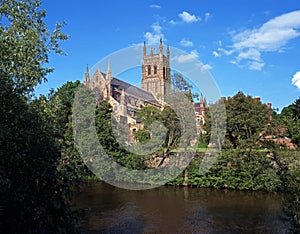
pixel 186 42
pixel 272 36
pixel 154 36
pixel 205 67
pixel 252 54
pixel 155 6
pixel 207 16
pixel 185 58
pixel 296 80
pixel 216 54
pixel 173 22
pixel 256 66
pixel 188 18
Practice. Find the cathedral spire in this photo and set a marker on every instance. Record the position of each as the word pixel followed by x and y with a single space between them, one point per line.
pixel 87 76
pixel 108 73
pixel 201 101
pixel 123 106
pixel 160 46
pixel 168 53
pixel 144 50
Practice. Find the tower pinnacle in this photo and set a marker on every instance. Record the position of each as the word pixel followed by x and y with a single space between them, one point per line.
pixel 144 50
pixel 87 76
pixel 108 73
pixel 160 46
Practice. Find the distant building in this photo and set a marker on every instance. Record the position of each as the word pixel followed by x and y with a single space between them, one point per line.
pixel 127 99
pixel 200 109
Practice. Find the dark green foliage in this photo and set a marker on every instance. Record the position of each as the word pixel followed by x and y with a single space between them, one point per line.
pixel 290 118
pixel 25 42
pixel 172 123
pixel 238 169
pixel 57 111
pixel 215 124
pixel 167 117
pixel 103 122
pixel 246 118
pixel 290 176
pixel 34 195
pixel 142 135
pixel 180 84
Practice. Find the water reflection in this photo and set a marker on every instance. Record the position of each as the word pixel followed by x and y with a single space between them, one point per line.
pixel 179 210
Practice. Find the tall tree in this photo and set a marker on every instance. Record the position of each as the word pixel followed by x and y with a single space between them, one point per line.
pixel 246 118
pixel 180 84
pixel 290 118
pixel 34 194
pixel 25 44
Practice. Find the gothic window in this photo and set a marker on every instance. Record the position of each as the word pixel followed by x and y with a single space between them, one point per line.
pixel 198 121
pixel 155 69
pixel 149 70
pixel 164 72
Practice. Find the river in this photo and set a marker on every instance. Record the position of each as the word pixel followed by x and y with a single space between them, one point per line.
pixel 169 209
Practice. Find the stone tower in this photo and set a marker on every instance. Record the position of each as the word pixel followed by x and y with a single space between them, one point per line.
pixel 156 72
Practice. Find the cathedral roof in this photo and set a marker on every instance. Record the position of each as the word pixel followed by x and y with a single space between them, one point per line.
pixel 133 90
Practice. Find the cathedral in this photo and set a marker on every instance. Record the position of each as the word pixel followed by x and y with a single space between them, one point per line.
pixel 127 99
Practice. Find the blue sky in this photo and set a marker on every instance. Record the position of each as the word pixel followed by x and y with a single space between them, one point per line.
pixel 250 46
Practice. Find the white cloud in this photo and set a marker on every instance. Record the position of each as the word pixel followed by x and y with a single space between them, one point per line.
pixel 155 36
pixel 185 58
pixel 173 22
pixel 272 36
pixel 257 66
pixel 216 54
pixel 188 18
pixel 155 6
pixel 205 67
pixel 207 16
pixel 296 80
pixel 252 54
pixel 157 28
pixel 185 42
pixel 226 52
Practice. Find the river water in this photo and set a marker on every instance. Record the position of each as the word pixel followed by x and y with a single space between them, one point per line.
pixel 169 209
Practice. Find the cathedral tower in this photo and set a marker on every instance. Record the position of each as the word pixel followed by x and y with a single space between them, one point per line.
pixel 156 72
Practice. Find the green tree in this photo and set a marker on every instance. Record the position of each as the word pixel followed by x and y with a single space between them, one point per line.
pixel 172 123
pixel 215 120
pixel 246 118
pixel 25 44
pixel 57 109
pixel 148 115
pixel 180 84
pixel 34 195
pixel 290 118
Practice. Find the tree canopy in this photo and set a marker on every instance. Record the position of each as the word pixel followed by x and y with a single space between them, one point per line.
pixel 34 194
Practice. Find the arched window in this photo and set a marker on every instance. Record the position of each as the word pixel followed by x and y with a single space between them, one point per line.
pixel 149 70
pixel 155 69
